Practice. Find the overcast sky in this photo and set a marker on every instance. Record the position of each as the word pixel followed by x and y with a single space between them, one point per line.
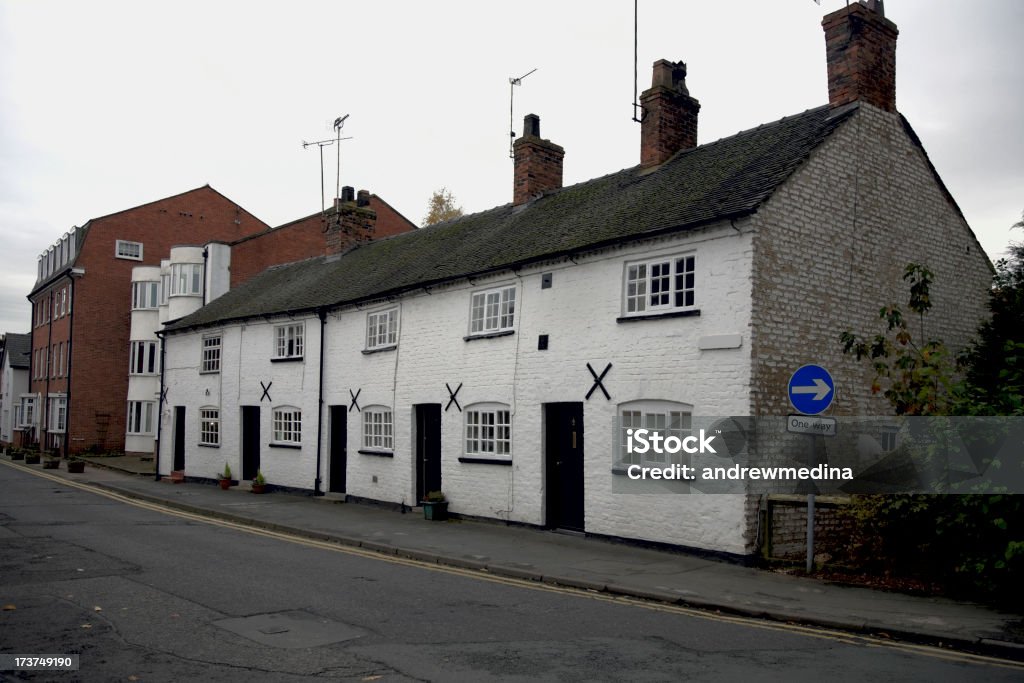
pixel 108 105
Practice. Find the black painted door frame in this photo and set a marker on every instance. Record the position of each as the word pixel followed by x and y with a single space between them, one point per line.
pixel 179 439
pixel 339 449
pixel 250 442
pixel 428 449
pixel 563 458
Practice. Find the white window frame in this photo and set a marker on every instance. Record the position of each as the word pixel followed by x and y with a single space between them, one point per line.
pixel 140 418
pixel 669 418
pixel 211 354
pixel 289 340
pixel 382 329
pixel 58 414
pixel 127 249
pixel 492 310
pixel 145 295
pixel 28 412
pixel 143 358
pixel 378 430
pixel 488 431
pixel 660 285
pixel 209 426
pixel 165 288
pixel 186 279
pixel 287 426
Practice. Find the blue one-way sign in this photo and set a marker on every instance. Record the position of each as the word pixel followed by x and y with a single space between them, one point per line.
pixel 811 389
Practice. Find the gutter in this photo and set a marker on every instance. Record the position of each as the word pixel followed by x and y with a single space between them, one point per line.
pixel 67 370
pixel 159 409
pixel 322 314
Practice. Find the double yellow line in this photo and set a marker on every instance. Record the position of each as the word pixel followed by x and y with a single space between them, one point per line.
pixel 813 632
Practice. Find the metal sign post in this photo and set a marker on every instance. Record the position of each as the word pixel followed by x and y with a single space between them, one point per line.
pixel 811 391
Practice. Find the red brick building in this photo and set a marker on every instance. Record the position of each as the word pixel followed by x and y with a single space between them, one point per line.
pixel 81 305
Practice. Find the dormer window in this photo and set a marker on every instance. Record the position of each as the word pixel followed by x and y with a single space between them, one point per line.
pixel 128 250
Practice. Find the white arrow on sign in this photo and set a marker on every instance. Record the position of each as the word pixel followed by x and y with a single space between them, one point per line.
pixel 820 389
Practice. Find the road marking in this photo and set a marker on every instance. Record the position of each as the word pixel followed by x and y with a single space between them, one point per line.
pixel 820 633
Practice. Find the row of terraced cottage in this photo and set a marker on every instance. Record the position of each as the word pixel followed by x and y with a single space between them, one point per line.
pixel 490 356
pixel 466 356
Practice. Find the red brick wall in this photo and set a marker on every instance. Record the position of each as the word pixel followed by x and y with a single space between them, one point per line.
pixel 102 302
pixel 293 241
pixel 305 238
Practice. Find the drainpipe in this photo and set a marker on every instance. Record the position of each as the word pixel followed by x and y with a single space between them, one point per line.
pixel 31 362
pixel 159 408
pixel 67 368
pixel 322 313
pixel 44 412
pixel 206 259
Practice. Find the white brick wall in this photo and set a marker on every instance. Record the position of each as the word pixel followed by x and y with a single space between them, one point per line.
pixel 246 351
pixel 651 360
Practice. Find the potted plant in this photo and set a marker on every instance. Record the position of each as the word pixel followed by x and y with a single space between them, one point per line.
pixel 32 458
pixel 225 477
pixel 76 466
pixel 52 460
pixel 17 454
pixel 259 484
pixel 435 507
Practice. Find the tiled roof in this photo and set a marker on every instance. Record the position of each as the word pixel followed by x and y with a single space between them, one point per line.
pixel 723 179
pixel 18 347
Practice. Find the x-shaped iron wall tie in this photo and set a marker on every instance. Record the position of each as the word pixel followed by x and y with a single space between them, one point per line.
pixel 597 381
pixel 451 397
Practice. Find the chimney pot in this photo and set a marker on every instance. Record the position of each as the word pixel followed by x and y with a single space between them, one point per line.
pixel 531 125
pixel 347 194
pixel 363 198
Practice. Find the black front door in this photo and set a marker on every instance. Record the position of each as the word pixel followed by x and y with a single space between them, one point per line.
pixel 250 441
pixel 339 448
pixel 428 449
pixel 563 455
pixel 179 438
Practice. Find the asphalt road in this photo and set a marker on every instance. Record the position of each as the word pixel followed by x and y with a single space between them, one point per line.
pixel 143 594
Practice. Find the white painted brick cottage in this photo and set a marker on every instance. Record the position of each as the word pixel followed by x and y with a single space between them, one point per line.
pixel 465 356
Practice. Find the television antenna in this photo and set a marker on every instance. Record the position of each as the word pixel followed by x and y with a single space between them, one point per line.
pixel 339 123
pixel 637 107
pixel 513 82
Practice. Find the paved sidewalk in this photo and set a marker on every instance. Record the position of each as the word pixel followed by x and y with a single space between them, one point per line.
pixel 586 563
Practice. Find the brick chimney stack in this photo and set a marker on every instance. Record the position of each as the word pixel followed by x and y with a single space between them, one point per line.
pixel 538 163
pixel 350 221
pixel 669 114
pixel 860 47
